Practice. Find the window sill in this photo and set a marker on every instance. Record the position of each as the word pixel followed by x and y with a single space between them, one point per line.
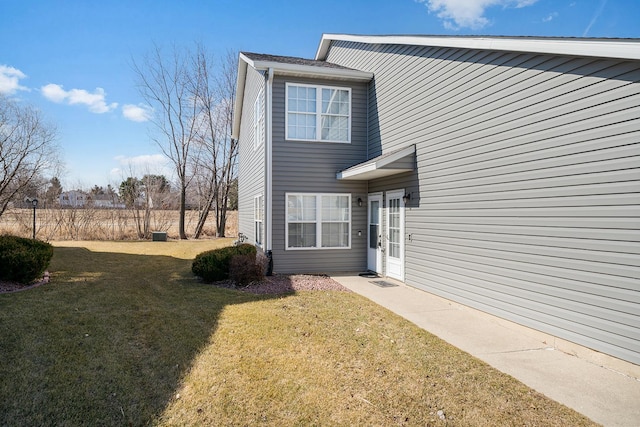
pixel 316 140
pixel 317 249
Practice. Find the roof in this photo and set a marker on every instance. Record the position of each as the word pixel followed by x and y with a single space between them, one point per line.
pixel 589 47
pixel 290 65
pixel 391 163
pixel 262 58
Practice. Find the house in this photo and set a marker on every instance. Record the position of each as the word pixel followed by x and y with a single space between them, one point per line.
pixel 502 173
pixel 73 199
pixel 82 199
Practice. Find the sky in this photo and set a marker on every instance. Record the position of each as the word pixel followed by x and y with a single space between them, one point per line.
pixel 73 59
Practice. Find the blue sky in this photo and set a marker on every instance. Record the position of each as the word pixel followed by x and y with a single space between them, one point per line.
pixel 72 59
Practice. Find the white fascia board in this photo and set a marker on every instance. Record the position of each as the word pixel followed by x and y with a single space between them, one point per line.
pixel 370 167
pixel 240 83
pixel 600 48
pixel 369 173
pixel 246 59
pixel 356 170
pixel 297 69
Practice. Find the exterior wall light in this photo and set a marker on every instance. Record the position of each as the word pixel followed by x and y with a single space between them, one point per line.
pixel 406 198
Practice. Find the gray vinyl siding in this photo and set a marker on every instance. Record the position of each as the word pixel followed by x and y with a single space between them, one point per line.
pixel 311 167
pixel 526 199
pixel 251 171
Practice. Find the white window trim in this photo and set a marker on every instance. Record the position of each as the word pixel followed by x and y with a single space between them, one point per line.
pixel 257 208
pixel 318 113
pixel 318 221
pixel 258 121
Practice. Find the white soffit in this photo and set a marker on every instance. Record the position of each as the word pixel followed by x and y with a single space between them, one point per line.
pixel 600 48
pixel 386 165
pixel 237 107
pixel 308 70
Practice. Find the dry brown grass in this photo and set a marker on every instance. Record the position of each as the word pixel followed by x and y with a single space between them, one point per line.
pixel 103 224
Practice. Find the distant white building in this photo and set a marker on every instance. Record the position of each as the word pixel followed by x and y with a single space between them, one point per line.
pixel 80 199
pixel 73 199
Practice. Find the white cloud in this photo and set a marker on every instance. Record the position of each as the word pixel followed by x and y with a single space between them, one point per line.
pixel 457 14
pixel 550 17
pixel 142 160
pixel 137 113
pixel 10 80
pixel 96 101
pixel 142 164
pixel 53 92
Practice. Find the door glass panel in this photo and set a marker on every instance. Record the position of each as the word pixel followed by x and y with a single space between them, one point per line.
pixel 375 206
pixel 374 233
pixel 374 225
pixel 394 228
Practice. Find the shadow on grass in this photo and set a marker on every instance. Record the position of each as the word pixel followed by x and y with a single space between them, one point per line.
pixel 108 341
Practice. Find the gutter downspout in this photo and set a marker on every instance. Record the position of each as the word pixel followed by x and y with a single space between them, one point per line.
pixel 268 184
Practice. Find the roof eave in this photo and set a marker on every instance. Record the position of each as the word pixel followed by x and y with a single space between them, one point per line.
pixel 240 84
pixel 311 71
pixel 378 167
pixel 355 172
pixel 372 174
pixel 600 48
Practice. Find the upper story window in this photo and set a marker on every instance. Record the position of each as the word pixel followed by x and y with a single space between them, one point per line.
pixel 318 113
pixel 258 121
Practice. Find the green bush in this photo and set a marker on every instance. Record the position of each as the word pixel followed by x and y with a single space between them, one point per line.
pixel 23 260
pixel 213 265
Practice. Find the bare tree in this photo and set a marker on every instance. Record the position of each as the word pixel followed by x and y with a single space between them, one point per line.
pixel 215 159
pixel 27 149
pixel 193 99
pixel 166 84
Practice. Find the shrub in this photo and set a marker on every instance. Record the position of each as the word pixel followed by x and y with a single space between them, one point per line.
pixel 23 260
pixel 262 262
pixel 244 269
pixel 213 265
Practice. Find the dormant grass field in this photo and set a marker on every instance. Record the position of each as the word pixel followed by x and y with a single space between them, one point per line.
pixel 103 224
pixel 125 335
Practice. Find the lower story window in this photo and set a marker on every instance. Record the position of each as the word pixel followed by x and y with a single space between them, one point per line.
pixel 258 215
pixel 316 221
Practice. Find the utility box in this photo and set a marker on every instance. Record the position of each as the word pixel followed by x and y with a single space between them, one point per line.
pixel 159 236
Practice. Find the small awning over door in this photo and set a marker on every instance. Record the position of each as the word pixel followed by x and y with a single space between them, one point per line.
pixel 392 163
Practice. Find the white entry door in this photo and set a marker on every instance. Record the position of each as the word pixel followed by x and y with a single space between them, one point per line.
pixel 374 251
pixel 395 235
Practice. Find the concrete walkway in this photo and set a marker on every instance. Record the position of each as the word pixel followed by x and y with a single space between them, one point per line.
pixel 603 388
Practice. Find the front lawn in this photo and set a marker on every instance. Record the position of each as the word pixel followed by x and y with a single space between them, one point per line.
pixel 124 335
